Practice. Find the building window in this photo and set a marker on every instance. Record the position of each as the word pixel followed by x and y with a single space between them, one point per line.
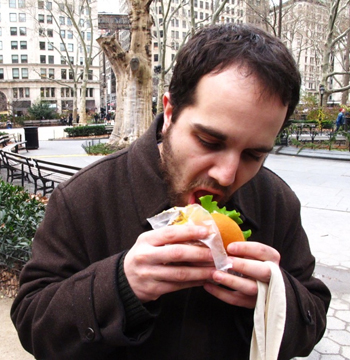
pixel 62 20
pixel 15 93
pixel 41 18
pixel 63 60
pixel 49 33
pixel 13 17
pixel 26 92
pixel 14 59
pixel 155 57
pixel 63 74
pixel 51 59
pixel 15 73
pixel 71 59
pixel 1 45
pixel 1 59
pixel 43 74
pixel 49 46
pixel 42 59
pixel 12 3
pixel 90 75
pixel 49 19
pixel 41 32
pixel 70 47
pixel 14 45
pixel 70 34
pixel 23 45
pixel 48 5
pixel 22 31
pixel 40 4
pixel 22 17
pixel 1 73
pixel 24 59
pixel 62 47
pixel 51 73
pixel 21 4
pixel 63 33
pixel 24 72
pixel 70 74
pixel 0 31
pixel 13 31
pixel 88 35
pixel 42 45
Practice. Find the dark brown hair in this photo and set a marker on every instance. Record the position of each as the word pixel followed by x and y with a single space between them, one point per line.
pixel 217 47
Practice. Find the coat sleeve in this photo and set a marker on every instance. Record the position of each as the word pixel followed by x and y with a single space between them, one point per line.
pixel 68 305
pixel 307 298
pixel 277 216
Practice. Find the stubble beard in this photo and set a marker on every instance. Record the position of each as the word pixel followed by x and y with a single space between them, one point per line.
pixel 173 175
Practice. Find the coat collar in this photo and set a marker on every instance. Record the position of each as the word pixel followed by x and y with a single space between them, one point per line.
pixel 149 190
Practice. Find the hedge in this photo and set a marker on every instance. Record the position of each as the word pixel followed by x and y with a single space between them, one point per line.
pixel 86 130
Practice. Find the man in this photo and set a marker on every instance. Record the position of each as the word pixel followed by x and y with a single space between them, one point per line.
pixel 340 119
pixel 103 285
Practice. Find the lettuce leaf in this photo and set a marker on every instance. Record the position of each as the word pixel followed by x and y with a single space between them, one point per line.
pixel 212 206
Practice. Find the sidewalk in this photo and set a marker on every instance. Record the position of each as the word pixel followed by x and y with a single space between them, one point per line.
pixel 315 154
pixel 323 187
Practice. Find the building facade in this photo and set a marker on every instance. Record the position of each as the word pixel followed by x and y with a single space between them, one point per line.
pixel 42 56
pixel 304 32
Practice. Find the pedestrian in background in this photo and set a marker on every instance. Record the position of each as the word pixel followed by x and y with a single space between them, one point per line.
pixel 70 119
pixel 340 120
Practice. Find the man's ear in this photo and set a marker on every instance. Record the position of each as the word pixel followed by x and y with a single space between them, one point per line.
pixel 168 111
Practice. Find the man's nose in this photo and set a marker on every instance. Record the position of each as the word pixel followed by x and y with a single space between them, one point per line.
pixel 224 169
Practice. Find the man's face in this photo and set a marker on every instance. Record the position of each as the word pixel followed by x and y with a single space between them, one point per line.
pixel 220 142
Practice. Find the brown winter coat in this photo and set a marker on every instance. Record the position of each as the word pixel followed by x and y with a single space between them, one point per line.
pixel 69 305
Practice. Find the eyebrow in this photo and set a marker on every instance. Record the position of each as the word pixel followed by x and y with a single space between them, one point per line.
pixel 222 137
pixel 210 131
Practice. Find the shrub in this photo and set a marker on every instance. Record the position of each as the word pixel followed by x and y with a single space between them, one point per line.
pixel 99 149
pixel 41 110
pixel 84 130
pixel 20 215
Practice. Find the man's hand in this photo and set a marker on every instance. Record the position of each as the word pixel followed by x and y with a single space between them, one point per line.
pixel 247 259
pixel 153 269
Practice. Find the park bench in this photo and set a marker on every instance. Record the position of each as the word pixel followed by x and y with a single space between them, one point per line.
pixel 45 174
pixel 4 140
pixel 16 165
pixel 109 128
pixel 9 143
pixel 52 122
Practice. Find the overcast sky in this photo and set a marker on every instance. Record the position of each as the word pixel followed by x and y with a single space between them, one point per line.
pixel 111 6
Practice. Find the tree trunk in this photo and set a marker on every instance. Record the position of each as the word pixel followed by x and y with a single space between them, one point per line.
pixel 134 77
pixel 346 79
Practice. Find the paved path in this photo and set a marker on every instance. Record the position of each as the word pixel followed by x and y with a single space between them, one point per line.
pixel 323 187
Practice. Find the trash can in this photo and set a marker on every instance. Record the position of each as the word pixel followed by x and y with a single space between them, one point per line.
pixel 31 137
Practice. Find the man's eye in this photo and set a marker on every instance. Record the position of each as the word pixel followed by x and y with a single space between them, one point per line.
pixel 254 155
pixel 209 144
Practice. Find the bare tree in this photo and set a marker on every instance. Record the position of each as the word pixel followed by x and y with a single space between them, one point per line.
pixel 82 23
pixel 133 71
pixel 165 13
pixel 336 43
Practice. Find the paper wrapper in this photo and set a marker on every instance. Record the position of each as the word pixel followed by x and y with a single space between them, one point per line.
pixel 195 215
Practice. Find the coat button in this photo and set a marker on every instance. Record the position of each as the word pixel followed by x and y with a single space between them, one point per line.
pixel 309 316
pixel 89 334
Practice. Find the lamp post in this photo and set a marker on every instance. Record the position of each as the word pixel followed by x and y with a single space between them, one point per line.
pixel 321 103
pixel 321 94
